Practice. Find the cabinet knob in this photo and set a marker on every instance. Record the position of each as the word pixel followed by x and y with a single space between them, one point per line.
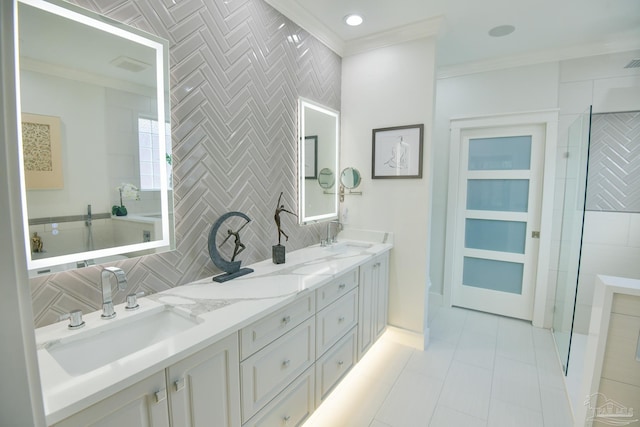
pixel 286 419
pixel 161 395
pixel 342 286
pixel 340 319
pixel 179 384
pixel 286 319
pixel 286 363
pixel 340 363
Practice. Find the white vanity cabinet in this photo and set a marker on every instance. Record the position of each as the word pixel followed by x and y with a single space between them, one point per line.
pixel 273 371
pixel 202 390
pixel 143 404
pixel 373 298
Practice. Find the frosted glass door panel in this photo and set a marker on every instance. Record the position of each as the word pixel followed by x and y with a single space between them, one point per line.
pixel 504 153
pixel 504 195
pixel 491 235
pixel 501 276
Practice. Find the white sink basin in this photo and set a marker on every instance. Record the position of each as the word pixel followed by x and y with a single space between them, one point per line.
pixel 91 349
pixel 343 246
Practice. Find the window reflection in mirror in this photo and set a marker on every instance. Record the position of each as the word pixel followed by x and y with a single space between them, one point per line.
pixel 106 85
pixel 317 151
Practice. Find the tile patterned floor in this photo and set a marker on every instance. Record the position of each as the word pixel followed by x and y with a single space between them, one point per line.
pixel 480 370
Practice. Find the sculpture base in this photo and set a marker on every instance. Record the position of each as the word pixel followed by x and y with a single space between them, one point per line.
pixel 228 276
pixel 278 254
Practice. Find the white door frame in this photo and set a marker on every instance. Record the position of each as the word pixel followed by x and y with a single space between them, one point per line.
pixel 547 118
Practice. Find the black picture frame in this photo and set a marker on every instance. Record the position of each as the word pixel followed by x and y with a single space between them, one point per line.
pixel 397 152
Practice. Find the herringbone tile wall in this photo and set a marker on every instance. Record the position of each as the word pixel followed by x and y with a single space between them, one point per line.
pixel 237 70
pixel 613 183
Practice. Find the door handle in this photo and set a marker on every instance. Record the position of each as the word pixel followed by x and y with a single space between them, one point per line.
pixel 535 234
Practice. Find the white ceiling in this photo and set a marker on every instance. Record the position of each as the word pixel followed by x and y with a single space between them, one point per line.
pixel 552 28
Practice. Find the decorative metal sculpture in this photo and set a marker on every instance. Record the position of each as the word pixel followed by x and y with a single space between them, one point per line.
pixel 278 251
pixel 231 268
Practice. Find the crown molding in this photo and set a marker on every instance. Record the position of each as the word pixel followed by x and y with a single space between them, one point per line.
pixel 309 23
pixel 539 57
pixel 417 30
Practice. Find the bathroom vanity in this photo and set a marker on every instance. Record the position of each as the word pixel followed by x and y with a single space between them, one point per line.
pixel 264 349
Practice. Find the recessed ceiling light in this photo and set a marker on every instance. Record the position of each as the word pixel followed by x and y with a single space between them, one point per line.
pixel 353 20
pixel 501 30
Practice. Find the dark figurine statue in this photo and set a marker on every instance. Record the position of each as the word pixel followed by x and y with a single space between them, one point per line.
pixel 280 208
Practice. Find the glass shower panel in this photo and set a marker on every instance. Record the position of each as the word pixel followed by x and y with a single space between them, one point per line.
pixel 576 160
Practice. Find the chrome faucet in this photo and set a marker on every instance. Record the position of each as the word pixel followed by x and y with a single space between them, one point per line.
pixel 332 238
pixel 107 302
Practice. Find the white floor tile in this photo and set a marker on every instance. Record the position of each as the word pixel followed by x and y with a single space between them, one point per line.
pixel 476 349
pixel 555 407
pixel 396 385
pixel 503 414
pixel 412 400
pixel 516 383
pixel 515 340
pixel 434 361
pixel 447 325
pixel 467 388
pixel 446 417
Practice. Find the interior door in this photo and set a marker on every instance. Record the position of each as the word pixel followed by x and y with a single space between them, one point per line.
pixel 498 219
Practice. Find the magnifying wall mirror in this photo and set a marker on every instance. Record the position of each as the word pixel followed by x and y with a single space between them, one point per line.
pixel 350 178
pixel 95 147
pixel 319 129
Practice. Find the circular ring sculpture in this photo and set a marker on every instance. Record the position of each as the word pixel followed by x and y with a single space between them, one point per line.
pixel 231 268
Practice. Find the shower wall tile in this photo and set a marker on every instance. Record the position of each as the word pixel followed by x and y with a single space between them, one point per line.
pixel 607 228
pixel 236 75
pixel 634 230
pixel 614 163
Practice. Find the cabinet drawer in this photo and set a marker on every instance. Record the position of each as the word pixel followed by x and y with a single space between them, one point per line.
pixel 620 362
pixel 264 331
pixel 335 320
pixel 270 370
pixel 291 408
pixel 335 364
pixel 335 289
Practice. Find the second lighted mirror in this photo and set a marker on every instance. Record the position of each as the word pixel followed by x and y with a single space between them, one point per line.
pixel 318 162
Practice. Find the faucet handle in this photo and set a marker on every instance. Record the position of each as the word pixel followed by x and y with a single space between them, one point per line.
pixel 132 301
pixel 75 319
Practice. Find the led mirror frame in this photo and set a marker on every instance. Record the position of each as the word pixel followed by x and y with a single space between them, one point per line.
pixel 303 104
pixel 89 18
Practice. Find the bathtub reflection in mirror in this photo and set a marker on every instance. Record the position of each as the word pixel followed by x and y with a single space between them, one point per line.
pixel 94 98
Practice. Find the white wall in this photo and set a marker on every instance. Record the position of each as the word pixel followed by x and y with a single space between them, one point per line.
pixel 391 86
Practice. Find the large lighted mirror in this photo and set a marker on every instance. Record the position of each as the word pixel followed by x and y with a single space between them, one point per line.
pixel 319 130
pixel 95 146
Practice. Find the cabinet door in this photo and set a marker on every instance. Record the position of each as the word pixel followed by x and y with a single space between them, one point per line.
pixel 144 404
pixel 204 389
pixel 381 280
pixel 366 313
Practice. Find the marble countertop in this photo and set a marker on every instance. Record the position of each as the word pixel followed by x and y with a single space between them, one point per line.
pixel 220 309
